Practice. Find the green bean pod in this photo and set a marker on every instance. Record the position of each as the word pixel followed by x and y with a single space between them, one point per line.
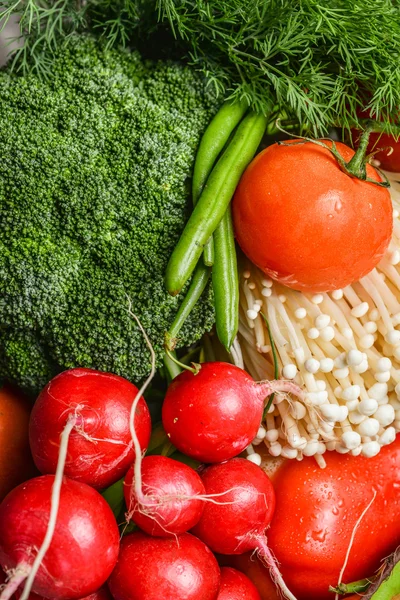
pixel 197 287
pixel 209 253
pixel 213 142
pixel 226 282
pixel 211 145
pixel 214 201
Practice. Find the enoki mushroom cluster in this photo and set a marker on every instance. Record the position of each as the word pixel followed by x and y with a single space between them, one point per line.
pixel 342 346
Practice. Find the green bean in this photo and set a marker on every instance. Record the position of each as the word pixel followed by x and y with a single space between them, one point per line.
pixel 213 142
pixel 209 252
pixel 390 588
pixel 197 286
pixel 225 282
pixel 211 145
pixel 214 200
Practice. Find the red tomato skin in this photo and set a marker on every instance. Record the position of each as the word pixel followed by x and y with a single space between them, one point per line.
pixel 390 160
pixel 389 155
pixel 305 222
pixel 316 511
pixel 236 586
pixel 104 402
pixel 151 568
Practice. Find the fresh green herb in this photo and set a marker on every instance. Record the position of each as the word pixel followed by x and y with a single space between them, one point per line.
pixel 310 58
pixel 318 61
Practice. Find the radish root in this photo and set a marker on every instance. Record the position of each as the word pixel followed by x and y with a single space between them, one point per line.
pixel 16 577
pixel 141 498
pixel 353 535
pixel 24 571
pixel 271 562
pixel 54 506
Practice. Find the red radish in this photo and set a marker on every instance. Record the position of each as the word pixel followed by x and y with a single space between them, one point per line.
pixel 84 545
pixel 255 570
pixel 236 586
pixel 171 490
pixel 244 504
pixel 98 405
pixel 101 594
pixel 214 415
pixel 150 568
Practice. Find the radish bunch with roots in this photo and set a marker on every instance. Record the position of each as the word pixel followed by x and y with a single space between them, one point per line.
pixel 215 414
pixel 78 545
pixel 95 408
pixel 237 523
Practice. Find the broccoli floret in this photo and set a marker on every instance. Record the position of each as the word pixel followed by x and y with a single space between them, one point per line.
pixel 94 192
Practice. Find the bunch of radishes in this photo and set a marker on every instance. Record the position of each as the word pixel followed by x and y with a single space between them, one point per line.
pixel 58 536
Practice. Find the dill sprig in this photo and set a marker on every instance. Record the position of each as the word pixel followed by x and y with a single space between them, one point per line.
pixel 316 61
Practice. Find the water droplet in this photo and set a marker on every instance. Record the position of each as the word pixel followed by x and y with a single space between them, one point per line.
pixel 319 535
pixel 335 510
pixel 338 205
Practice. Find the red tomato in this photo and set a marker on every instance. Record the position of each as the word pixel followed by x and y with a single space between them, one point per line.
pixel 308 224
pixel 316 512
pixel 16 463
pixel 389 153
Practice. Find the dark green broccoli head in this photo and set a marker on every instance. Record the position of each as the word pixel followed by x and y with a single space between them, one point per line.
pixel 94 193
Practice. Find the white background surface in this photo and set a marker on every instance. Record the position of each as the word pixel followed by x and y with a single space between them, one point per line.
pixel 11 30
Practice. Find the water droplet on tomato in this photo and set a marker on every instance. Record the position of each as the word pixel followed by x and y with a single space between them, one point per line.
pixel 338 205
pixel 319 535
pixel 335 510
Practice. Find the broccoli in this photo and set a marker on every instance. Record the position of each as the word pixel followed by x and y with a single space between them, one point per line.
pixel 94 193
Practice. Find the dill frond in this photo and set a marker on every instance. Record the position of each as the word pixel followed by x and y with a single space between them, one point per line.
pixel 318 61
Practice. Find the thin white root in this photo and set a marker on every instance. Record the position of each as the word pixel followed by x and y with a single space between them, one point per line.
pixel 137 468
pixel 54 506
pixel 353 535
pixel 16 577
pixel 266 555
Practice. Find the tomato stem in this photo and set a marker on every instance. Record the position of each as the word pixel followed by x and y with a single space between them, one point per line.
pixel 357 165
